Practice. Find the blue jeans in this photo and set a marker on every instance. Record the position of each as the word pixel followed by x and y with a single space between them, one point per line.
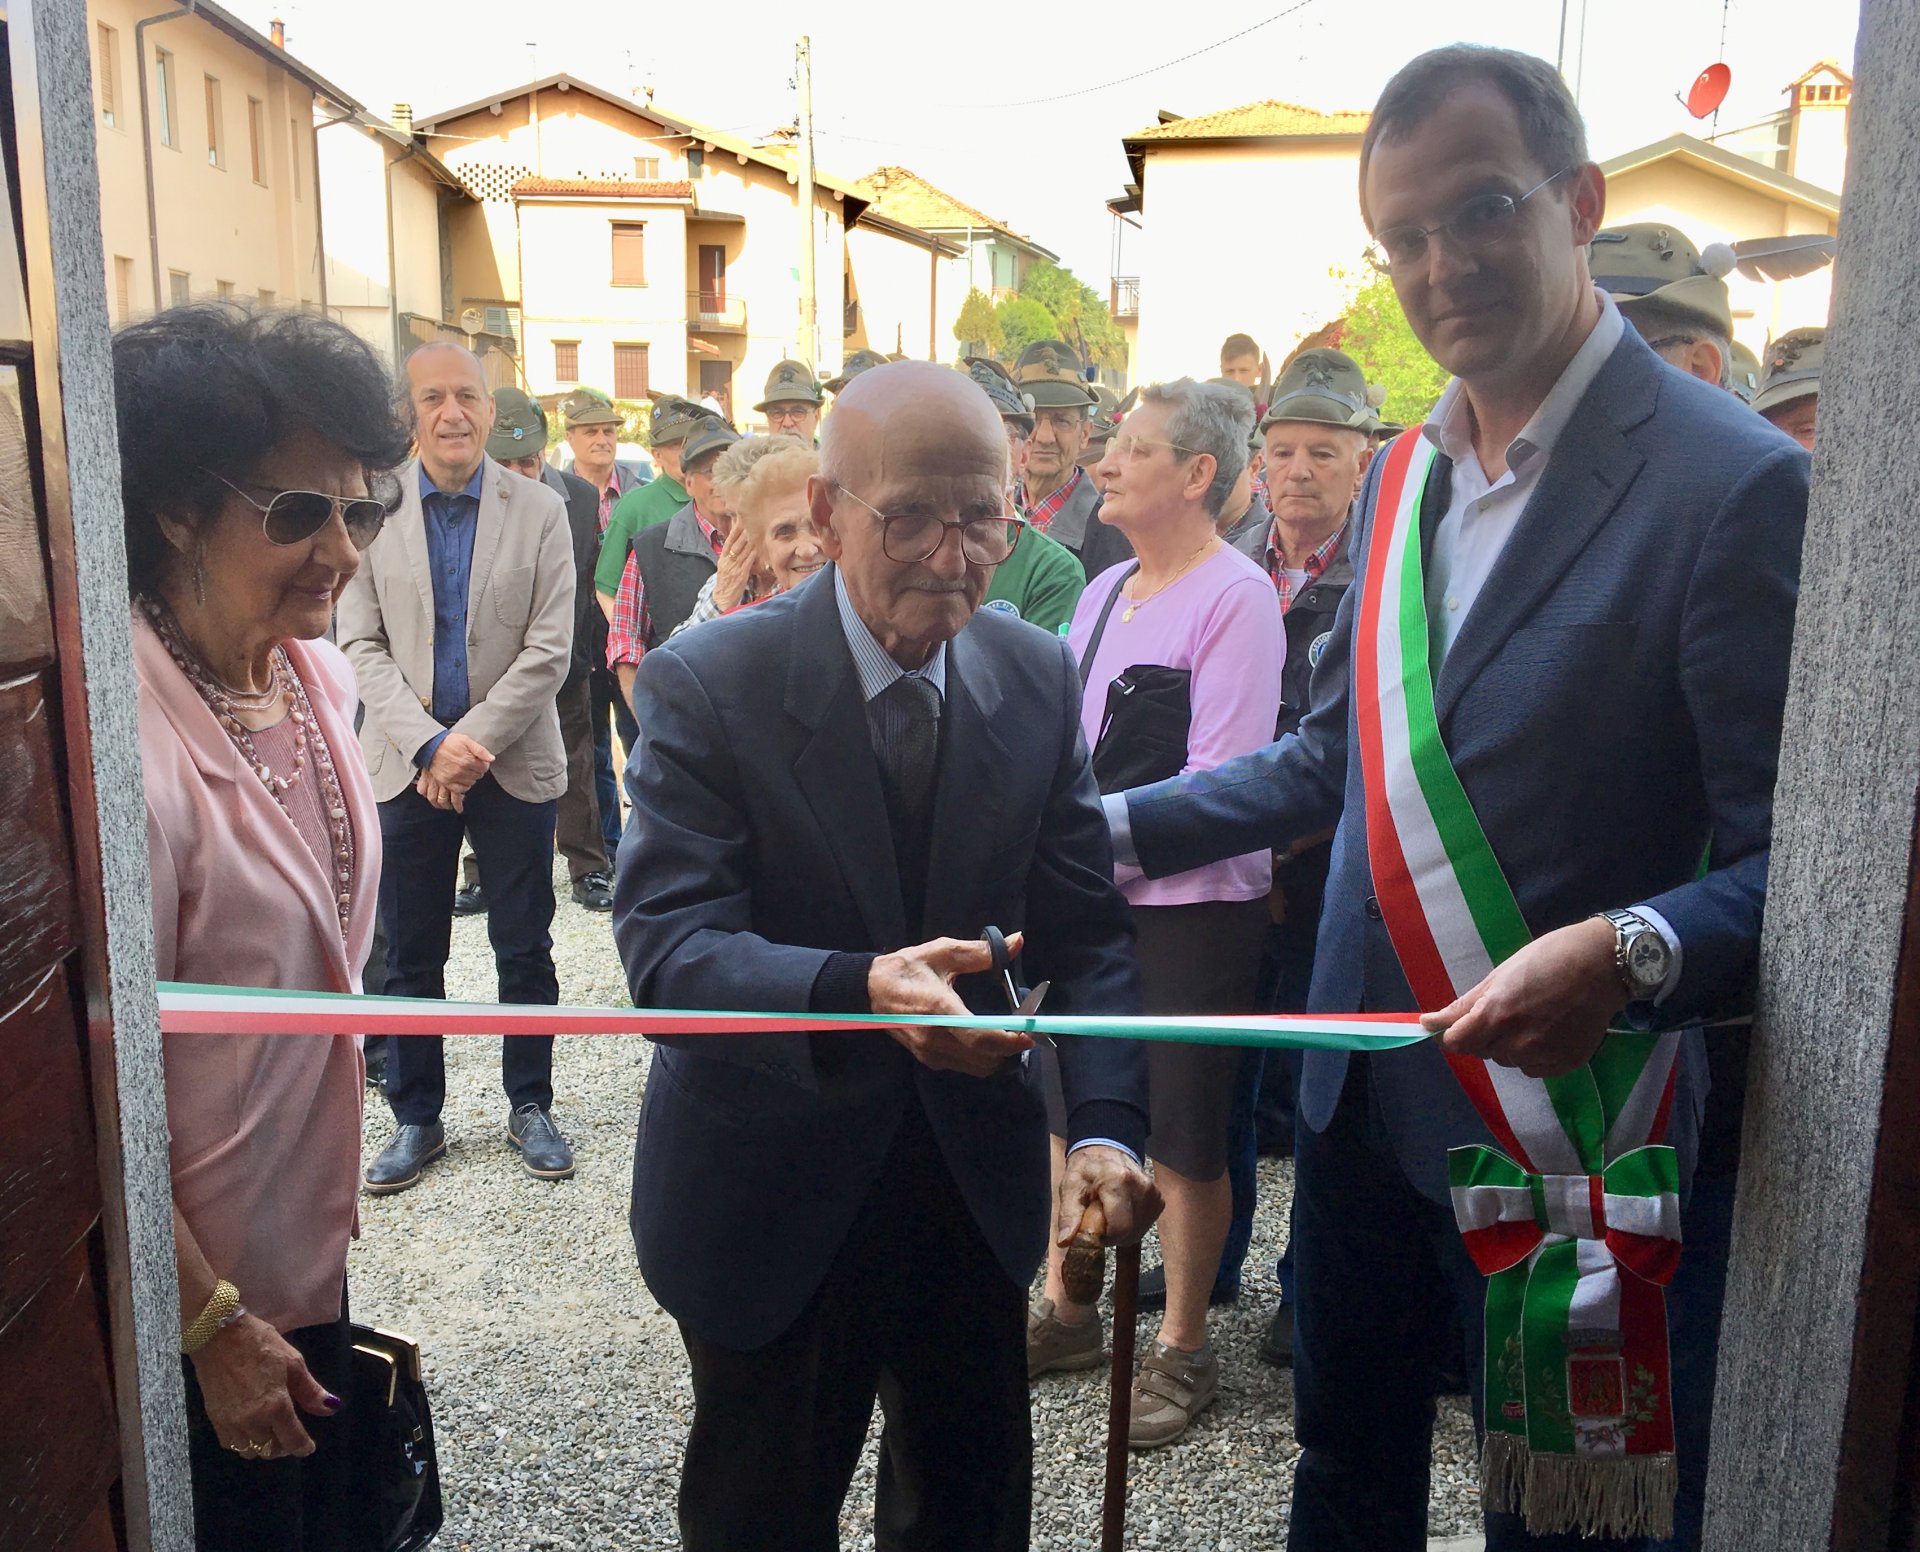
pixel 513 844
pixel 607 698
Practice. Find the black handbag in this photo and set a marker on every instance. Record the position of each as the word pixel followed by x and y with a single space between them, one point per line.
pixel 1148 715
pixel 397 1472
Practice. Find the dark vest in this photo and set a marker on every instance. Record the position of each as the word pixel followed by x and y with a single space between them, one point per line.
pixel 675 561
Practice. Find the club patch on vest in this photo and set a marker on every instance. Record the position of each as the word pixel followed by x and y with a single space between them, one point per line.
pixel 1317 648
pixel 1003 605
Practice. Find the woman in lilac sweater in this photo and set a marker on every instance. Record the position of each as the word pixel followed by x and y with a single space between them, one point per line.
pixel 1192 604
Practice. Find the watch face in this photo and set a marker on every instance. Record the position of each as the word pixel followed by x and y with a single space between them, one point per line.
pixel 1647 959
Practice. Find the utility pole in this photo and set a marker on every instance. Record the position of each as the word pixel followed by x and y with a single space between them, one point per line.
pixel 809 350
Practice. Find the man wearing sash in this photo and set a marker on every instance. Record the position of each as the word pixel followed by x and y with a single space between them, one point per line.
pixel 1547 726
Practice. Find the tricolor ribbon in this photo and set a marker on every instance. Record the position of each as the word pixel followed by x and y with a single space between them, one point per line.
pixel 1575 1216
pixel 236 1010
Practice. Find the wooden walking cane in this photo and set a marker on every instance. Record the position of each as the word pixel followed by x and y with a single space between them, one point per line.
pixel 1082 1273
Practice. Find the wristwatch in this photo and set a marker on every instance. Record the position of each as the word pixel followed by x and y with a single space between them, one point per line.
pixel 1640 955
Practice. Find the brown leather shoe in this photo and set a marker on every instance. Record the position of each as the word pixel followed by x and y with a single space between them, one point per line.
pixel 1055 1346
pixel 1170 1391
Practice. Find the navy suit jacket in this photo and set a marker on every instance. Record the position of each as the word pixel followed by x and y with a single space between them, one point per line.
pixel 759 844
pixel 1612 704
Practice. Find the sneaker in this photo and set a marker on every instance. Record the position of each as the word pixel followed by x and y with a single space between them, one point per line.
pixel 410 1150
pixel 470 901
pixel 1170 1391
pixel 1153 1290
pixel 594 891
pixel 1056 1346
pixel 544 1153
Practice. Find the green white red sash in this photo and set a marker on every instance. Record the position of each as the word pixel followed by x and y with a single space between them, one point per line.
pixel 1575 1218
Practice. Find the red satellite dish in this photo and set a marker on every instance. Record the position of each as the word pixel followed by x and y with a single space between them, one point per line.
pixel 1709 90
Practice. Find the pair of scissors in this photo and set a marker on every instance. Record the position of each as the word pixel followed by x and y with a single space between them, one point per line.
pixel 1021 1006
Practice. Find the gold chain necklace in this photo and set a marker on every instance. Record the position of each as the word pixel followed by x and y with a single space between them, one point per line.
pixel 1133 604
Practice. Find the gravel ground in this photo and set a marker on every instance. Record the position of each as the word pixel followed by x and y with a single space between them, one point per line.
pixel 559 1387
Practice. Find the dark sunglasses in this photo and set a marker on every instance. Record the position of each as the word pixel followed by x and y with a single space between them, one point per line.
pixel 293 516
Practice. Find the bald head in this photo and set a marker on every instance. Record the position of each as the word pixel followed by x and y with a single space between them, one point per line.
pixel 911 418
pixel 912 452
pixel 452 411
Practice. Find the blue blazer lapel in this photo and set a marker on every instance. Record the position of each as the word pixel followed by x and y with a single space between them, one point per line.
pixel 1589 470
pixel 968 799
pixel 836 770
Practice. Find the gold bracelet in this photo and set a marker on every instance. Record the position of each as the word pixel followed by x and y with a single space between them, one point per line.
pixel 221 1305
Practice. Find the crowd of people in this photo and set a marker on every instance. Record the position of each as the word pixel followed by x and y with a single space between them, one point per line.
pixel 985 646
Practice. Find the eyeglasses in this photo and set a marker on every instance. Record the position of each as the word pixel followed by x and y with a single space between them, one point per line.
pixel 1475 226
pixel 1131 447
pixel 788 412
pixel 907 541
pixel 296 515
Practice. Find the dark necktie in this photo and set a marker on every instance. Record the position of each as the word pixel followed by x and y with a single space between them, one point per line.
pixel 912 746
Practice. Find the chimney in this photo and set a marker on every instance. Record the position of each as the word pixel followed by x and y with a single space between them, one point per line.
pixel 402 117
pixel 277 30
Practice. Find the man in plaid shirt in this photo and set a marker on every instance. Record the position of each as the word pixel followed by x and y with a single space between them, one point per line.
pixel 670 561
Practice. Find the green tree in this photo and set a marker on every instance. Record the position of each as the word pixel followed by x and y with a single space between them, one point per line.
pixel 977 327
pixel 1022 321
pixel 1376 334
pixel 1079 313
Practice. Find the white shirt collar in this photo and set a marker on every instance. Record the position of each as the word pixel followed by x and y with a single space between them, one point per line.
pixel 1450 428
pixel 877 667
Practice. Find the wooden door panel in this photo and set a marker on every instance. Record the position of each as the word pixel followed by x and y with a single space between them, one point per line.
pixel 37 906
pixel 57 1432
pixel 49 1180
pixel 96 1535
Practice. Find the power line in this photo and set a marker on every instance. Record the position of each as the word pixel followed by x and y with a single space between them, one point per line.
pixel 1034 102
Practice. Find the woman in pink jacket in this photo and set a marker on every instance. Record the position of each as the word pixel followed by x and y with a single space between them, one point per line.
pixel 249 442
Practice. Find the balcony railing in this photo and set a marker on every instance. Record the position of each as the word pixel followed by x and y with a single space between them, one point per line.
pixel 1124 299
pixel 711 311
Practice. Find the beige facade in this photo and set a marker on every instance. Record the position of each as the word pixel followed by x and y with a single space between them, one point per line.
pixel 1714 196
pixel 225 161
pixel 1235 222
pixel 634 251
pixel 384 197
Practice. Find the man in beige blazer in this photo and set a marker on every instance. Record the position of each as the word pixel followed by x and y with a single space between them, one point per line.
pixel 459 624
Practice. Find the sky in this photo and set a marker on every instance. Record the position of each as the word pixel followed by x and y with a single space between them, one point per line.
pixel 1019 109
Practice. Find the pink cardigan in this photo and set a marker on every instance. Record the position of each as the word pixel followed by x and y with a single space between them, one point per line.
pixel 264 1129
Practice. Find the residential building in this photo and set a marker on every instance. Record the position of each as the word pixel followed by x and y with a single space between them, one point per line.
pixel 385 198
pixel 208 182
pixel 637 251
pixel 996 258
pixel 1240 221
pixel 1254 223
pixel 1715 196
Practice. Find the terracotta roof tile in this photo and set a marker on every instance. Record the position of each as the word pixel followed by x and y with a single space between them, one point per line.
pixel 907 197
pixel 1257 118
pixel 598 188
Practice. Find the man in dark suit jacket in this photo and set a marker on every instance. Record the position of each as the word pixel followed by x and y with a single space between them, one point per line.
pixel 1612 554
pixel 519 443
pixel 834 792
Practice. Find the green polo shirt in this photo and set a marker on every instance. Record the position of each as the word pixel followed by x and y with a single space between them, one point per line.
pixel 654 502
pixel 1040 582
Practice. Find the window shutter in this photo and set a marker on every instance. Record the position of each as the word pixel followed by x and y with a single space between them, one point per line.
pixel 629 253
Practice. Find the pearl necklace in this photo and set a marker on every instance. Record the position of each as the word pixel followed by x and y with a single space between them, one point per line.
pixel 223 703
